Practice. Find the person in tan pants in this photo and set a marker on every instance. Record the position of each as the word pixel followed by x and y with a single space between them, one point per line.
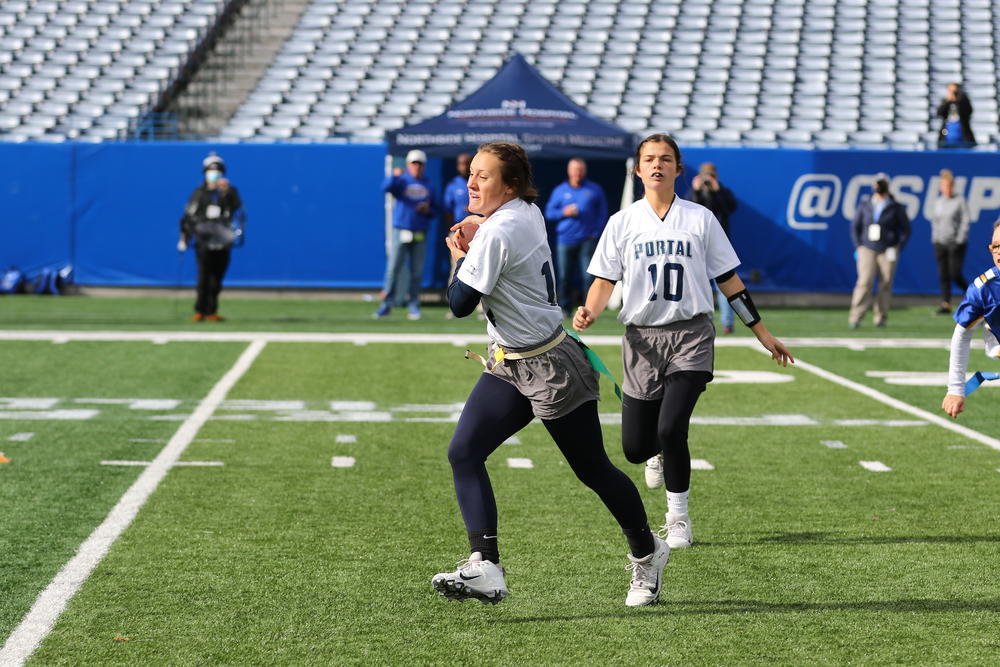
pixel 880 230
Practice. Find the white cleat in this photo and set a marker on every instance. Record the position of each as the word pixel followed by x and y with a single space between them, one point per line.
pixel 654 472
pixel 647 575
pixel 677 531
pixel 475 578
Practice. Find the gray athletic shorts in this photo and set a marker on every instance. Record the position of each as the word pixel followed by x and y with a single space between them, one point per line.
pixel 650 354
pixel 556 382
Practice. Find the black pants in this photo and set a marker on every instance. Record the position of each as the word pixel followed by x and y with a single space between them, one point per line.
pixel 212 265
pixel 494 411
pixel 661 426
pixel 950 257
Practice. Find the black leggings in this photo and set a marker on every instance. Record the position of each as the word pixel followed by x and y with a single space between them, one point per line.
pixel 661 426
pixel 949 258
pixel 496 410
pixel 212 265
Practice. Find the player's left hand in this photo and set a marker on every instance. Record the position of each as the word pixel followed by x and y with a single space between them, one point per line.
pixel 779 352
pixel 953 405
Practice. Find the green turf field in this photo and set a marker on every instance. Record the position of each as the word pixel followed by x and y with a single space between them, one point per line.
pixel 257 549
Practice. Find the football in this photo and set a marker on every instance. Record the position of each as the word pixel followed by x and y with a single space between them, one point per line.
pixel 464 234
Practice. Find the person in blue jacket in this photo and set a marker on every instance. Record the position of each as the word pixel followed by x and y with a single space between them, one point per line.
pixel 579 210
pixel 879 231
pixel 980 305
pixel 415 206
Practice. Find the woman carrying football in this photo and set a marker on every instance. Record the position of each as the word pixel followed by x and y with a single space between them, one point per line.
pixel 666 251
pixel 533 370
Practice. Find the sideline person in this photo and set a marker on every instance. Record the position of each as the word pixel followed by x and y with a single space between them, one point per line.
pixel 949 236
pixel 533 370
pixel 720 200
pixel 879 232
pixel 579 210
pixel 415 206
pixel 666 251
pixel 208 223
pixel 981 304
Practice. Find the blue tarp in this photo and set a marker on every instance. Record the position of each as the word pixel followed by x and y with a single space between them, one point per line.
pixel 519 105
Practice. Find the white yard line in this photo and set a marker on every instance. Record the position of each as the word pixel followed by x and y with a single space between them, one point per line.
pixel 449 339
pixel 943 422
pixel 51 602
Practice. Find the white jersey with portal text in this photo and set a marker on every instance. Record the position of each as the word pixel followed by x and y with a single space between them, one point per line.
pixel 510 264
pixel 665 265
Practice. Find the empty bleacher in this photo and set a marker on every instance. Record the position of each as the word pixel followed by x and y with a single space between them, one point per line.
pixel 811 73
pixel 84 70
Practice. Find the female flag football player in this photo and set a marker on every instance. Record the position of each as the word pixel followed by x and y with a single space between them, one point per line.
pixel 981 304
pixel 533 370
pixel 666 251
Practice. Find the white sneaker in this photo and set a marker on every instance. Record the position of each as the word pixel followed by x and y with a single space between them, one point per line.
pixel 654 472
pixel 647 575
pixel 677 531
pixel 474 578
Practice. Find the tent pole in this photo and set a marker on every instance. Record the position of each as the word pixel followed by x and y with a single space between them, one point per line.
pixel 628 196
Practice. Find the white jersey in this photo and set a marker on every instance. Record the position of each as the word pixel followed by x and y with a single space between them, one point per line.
pixel 509 262
pixel 665 265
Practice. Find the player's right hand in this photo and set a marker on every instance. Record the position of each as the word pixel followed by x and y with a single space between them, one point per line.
pixel 583 318
pixel 953 405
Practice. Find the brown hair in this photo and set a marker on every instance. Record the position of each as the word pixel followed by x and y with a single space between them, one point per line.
pixel 657 139
pixel 515 169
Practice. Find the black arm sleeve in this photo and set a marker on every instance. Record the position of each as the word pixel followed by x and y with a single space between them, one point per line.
pixel 725 276
pixel 462 299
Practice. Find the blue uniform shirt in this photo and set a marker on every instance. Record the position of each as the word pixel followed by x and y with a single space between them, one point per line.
pixel 982 300
pixel 409 193
pixel 589 221
pixel 456 198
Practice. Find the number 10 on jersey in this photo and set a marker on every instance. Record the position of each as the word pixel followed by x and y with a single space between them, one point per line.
pixel 673 281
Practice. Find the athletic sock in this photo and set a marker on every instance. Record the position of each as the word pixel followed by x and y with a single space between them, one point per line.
pixel 677 503
pixel 485 542
pixel 640 541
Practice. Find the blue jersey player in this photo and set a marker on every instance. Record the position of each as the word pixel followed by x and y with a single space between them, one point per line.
pixel 981 304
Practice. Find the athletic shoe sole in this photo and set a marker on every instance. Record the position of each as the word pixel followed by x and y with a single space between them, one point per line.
pixel 458 592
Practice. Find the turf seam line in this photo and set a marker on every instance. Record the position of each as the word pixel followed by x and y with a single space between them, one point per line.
pixel 895 403
pixel 51 602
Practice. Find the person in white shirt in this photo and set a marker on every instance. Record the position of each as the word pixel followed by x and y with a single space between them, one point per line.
pixel 666 251
pixel 533 370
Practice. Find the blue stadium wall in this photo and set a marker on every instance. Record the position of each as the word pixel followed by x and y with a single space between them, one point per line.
pixel 317 212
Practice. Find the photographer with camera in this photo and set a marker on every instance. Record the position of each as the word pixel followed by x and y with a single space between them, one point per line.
pixel 208 223
pixel 717 198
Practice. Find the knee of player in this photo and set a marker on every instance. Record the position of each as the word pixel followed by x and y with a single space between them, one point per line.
pixel 461 452
pixel 671 434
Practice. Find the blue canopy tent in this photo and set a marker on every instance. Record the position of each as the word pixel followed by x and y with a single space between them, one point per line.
pixel 518 104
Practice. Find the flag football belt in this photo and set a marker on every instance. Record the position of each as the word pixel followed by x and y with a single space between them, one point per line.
pixel 500 355
pixel 977 379
pixel 597 363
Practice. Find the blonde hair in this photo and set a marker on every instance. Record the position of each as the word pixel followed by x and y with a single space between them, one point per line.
pixel 946 175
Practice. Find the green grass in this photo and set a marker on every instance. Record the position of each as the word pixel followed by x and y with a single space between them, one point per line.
pixel 802 556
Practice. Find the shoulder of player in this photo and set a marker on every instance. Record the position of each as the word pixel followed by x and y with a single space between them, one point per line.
pixel 985 278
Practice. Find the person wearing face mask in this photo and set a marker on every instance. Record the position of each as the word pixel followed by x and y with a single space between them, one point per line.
pixel 879 231
pixel 208 224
